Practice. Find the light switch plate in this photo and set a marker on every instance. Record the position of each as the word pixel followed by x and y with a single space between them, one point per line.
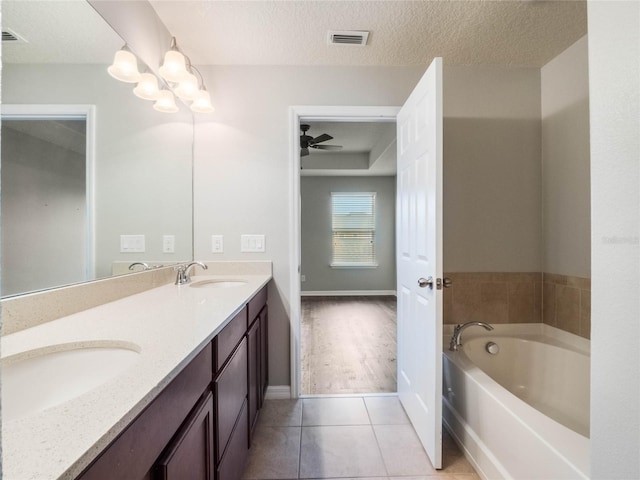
pixel 132 244
pixel 252 243
pixel 217 244
pixel 168 244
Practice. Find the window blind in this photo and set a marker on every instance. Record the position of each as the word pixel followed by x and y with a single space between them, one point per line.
pixel 353 229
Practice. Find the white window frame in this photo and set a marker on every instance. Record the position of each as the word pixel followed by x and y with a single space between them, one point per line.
pixel 353 264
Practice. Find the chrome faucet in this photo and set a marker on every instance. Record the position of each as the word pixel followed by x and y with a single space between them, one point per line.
pixel 456 339
pixel 184 272
pixel 145 266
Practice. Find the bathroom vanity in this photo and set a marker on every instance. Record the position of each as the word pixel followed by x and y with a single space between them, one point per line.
pixel 185 408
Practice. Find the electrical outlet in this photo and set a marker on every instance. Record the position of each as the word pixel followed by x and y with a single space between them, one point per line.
pixel 217 244
pixel 303 278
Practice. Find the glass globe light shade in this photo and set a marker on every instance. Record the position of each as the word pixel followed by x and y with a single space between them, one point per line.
pixel 124 67
pixel 173 68
pixel 187 89
pixel 147 87
pixel 202 102
pixel 166 102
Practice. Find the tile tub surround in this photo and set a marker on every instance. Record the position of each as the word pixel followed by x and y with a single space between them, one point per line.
pixel 25 311
pixel 567 303
pixel 169 324
pixel 345 437
pixel 493 297
pixel 561 301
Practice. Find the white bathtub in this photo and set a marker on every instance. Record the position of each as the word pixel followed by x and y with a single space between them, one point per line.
pixel 524 412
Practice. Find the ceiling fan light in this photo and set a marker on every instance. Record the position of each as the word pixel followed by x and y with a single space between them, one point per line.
pixel 187 89
pixel 147 87
pixel 174 67
pixel 202 102
pixel 165 102
pixel 124 67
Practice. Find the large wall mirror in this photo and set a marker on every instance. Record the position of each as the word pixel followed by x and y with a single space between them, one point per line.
pixel 88 168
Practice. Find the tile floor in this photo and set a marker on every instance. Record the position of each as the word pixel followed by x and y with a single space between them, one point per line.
pixel 345 437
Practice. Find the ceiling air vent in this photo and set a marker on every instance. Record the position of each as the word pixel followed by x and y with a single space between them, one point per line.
pixel 12 37
pixel 348 37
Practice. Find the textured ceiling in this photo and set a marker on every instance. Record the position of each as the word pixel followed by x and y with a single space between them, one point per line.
pixel 275 32
pixel 236 32
pixel 57 31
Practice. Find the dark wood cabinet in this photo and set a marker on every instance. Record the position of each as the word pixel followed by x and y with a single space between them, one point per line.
pixel 253 371
pixel 190 453
pixel 134 452
pixel 264 353
pixel 199 426
pixel 230 390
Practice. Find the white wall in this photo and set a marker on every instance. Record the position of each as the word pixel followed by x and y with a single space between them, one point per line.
pixel 491 184
pixel 565 163
pixel 43 197
pixel 317 241
pixel 614 83
pixel 491 156
pixel 143 157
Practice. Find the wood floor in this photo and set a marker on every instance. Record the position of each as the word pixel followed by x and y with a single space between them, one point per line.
pixel 348 345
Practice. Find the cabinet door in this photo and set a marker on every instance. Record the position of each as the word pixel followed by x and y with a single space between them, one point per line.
pixel 235 457
pixel 230 393
pixel 190 453
pixel 264 354
pixel 253 343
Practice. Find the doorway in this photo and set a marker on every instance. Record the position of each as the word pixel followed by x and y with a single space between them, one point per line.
pixel 47 195
pixel 348 281
pixel 309 115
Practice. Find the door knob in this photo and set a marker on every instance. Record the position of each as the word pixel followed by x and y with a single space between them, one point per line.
pixel 425 282
pixel 447 282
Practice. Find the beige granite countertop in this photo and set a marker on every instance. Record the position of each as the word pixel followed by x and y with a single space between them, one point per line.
pixel 169 324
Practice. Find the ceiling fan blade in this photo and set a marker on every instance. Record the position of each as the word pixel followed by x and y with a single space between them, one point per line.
pixel 327 147
pixel 322 138
pixel 304 152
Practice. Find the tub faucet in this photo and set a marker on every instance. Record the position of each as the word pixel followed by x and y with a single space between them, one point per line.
pixel 184 272
pixel 456 339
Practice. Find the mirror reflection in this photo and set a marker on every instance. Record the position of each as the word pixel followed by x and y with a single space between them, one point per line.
pixel 93 178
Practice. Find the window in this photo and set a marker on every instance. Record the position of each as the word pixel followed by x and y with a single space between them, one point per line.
pixel 353 229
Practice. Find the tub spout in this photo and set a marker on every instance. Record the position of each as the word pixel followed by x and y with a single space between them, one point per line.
pixel 456 338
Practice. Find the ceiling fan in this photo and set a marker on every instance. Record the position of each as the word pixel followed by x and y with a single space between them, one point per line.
pixel 307 142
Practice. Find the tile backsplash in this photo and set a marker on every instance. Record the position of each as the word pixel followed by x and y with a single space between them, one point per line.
pixel 567 303
pixel 493 297
pixel 520 297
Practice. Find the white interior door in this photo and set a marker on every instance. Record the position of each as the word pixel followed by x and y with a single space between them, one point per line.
pixel 419 259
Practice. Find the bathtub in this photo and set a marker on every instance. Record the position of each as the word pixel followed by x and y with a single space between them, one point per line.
pixel 522 413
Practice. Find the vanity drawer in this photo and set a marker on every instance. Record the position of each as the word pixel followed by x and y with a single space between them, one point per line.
pixel 256 304
pixel 225 342
pixel 230 388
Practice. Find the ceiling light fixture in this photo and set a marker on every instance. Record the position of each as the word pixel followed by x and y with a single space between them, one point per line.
pixel 176 76
pixel 187 87
pixel 174 67
pixel 124 66
pixel 147 87
pixel 166 102
pixel 202 102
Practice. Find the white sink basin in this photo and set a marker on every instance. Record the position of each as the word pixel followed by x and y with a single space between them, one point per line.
pixel 218 283
pixel 35 380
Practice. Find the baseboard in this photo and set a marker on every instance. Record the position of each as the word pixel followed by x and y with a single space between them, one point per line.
pixel 278 392
pixel 349 293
